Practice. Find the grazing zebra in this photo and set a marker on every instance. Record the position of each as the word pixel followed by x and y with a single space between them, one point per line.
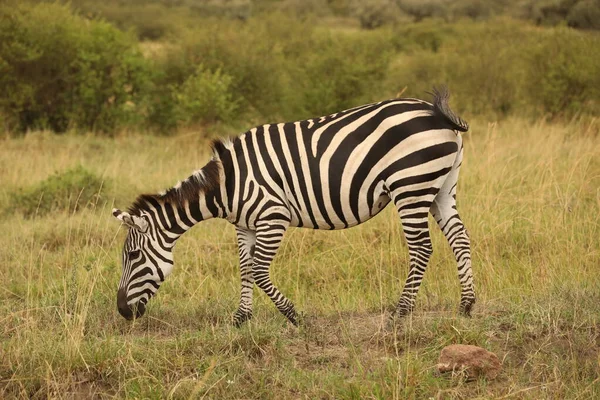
pixel 334 172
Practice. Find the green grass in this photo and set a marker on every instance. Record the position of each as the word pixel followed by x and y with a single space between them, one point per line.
pixel 529 194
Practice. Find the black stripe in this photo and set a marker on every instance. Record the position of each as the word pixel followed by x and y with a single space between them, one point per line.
pixel 142 283
pixel 290 135
pixel 149 292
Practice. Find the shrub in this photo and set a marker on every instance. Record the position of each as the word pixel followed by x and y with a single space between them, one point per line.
pixel 545 72
pixel 565 73
pixel 343 71
pixel 376 13
pixel 250 53
pixel 585 15
pixel 238 9
pixel 297 8
pixel 67 191
pixel 150 21
pixel 426 35
pixel 421 9
pixel 58 70
pixel 205 97
pixel 281 68
pixel 547 12
pixel 474 9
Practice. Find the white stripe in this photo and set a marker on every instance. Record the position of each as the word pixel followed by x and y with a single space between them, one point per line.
pixel 261 163
pixel 292 165
pixel 319 219
pixel 250 174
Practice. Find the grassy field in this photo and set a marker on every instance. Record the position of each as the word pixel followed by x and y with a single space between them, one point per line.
pixel 529 194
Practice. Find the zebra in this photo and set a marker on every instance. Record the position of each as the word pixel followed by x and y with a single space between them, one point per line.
pixel 333 172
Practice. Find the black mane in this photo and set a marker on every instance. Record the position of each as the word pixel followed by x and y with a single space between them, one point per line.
pixel 201 181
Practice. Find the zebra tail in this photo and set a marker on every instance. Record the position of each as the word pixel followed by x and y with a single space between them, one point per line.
pixel 442 109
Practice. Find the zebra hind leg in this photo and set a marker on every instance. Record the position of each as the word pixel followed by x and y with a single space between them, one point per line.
pixel 268 239
pixel 416 232
pixel 444 212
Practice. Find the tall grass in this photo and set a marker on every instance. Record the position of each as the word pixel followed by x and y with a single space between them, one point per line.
pixel 528 193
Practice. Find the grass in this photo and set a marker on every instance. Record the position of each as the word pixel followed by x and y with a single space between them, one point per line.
pixel 529 194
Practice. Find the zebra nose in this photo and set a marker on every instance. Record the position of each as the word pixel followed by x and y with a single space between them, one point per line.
pixel 125 309
pixel 122 305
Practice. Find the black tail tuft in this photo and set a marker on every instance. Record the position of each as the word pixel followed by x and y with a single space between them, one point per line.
pixel 441 108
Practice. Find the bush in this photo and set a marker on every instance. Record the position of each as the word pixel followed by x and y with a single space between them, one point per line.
pixel 427 35
pixel 421 9
pixel 250 53
pixel 205 97
pixel 565 73
pixel 238 9
pixel 149 20
pixel 68 191
pixel 547 12
pixel 342 72
pixel 553 72
pixel 58 70
pixel 474 9
pixel 376 13
pixel 585 15
pixel 281 68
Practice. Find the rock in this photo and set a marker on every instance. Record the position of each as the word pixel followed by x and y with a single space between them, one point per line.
pixel 473 361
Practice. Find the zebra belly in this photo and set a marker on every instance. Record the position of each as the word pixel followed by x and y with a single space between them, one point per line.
pixel 379 204
pixel 305 219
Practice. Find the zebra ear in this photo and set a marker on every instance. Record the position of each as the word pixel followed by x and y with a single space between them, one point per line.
pixel 132 221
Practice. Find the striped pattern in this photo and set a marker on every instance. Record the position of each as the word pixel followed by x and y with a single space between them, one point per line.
pixel 334 172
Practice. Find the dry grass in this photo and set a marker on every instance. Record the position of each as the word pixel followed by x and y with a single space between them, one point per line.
pixel 529 194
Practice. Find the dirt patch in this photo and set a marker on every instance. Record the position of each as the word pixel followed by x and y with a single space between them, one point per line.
pixel 344 340
pixel 88 390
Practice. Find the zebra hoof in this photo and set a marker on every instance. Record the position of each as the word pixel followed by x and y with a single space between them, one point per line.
pixel 303 321
pixel 396 322
pixel 402 310
pixel 240 317
pixel 295 318
pixel 398 317
pixel 465 309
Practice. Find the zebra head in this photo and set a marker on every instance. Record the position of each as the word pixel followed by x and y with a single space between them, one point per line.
pixel 146 264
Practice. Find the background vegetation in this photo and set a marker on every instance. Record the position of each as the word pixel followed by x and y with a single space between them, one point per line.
pixel 107 75
pixel 98 65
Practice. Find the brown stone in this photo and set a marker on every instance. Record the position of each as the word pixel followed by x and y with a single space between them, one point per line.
pixel 472 361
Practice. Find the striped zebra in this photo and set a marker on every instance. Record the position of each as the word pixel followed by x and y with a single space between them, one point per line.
pixel 333 172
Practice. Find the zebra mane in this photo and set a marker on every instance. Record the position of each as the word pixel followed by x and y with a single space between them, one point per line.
pixel 201 181
pixel 219 146
pixel 441 107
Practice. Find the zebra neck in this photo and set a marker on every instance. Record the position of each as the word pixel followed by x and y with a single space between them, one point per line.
pixel 195 199
pixel 172 219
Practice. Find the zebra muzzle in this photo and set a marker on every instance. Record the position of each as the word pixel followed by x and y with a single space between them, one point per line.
pixel 126 310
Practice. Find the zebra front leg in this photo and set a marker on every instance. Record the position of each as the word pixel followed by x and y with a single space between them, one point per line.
pixel 246 241
pixel 268 240
pixel 416 232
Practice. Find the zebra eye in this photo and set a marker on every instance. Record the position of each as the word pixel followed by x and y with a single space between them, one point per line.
pixel 133 254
